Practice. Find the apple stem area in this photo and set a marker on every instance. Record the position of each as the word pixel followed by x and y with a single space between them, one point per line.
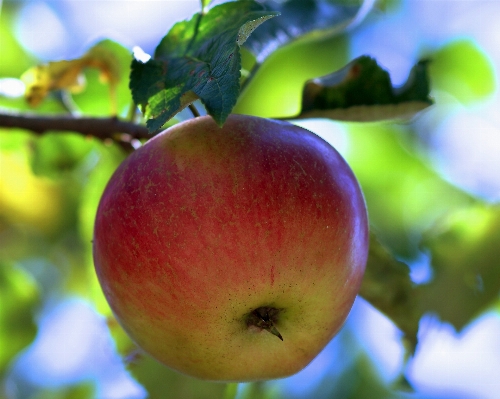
pixel 264 318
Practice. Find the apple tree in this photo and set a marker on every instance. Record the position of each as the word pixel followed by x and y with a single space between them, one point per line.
pixel 78 119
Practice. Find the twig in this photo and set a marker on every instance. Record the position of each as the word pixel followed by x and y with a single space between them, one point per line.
pixel 102 128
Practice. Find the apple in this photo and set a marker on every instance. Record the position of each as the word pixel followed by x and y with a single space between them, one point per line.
pixel 233 253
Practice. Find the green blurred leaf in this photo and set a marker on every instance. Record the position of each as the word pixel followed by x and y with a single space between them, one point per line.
pixel 388 287
pixel 465 255
pixel 35 204
pixel 359 377
pixel 100 99
pixel 300 19
pixel 14 59
pixel 405 196
pixel 14 140
pixel 164 383
pixel 362 91
pixel 56 153
pixel 231 390
pixel 286 72
pixel 19 299
pixel 84 390
pixel 362 381
pixel 258 390
pixel 462 69
pixel 198 58
pixel 100 164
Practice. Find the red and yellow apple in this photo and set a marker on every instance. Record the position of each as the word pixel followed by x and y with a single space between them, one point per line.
pixel 232 253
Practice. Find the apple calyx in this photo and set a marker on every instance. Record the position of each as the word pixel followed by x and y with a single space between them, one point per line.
pixel 264 318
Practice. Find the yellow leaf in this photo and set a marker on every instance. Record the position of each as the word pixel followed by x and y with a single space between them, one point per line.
pixel 42 79
pixel 68 74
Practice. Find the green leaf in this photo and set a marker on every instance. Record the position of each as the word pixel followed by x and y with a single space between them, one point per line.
pixel 300 18
pixel 19 298
pixel 198 58
pixel 465 256
pixel 388 287
pixel 56 153
pixel 362 91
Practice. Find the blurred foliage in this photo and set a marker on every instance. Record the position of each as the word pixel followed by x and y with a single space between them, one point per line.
pixel 462 69
pixel 53 154
pixel 50 186
pixel 387 286
pixel 464 247
pixel 162 383
pixel 19 299
pixel 287 70
pixel 405 196
pixel 14 59
pixel 78 391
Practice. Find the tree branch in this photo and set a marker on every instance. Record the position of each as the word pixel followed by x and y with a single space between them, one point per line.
pixel 102 128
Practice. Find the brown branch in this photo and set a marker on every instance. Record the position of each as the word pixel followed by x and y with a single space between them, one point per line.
pixel 102 128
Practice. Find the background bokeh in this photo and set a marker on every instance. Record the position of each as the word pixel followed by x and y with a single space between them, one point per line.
pixel 58 338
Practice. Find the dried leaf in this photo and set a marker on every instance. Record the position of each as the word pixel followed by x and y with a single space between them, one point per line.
pixel 42 79
pixel 362 91
pixel 68 74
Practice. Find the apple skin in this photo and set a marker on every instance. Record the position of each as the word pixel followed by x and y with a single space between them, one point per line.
pixel 202 225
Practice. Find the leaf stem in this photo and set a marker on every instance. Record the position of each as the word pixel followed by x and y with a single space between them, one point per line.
pixel 250 76
pixel 194 110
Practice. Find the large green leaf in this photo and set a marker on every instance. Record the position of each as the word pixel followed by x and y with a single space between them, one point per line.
pixel 300 18
pixel 199 58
